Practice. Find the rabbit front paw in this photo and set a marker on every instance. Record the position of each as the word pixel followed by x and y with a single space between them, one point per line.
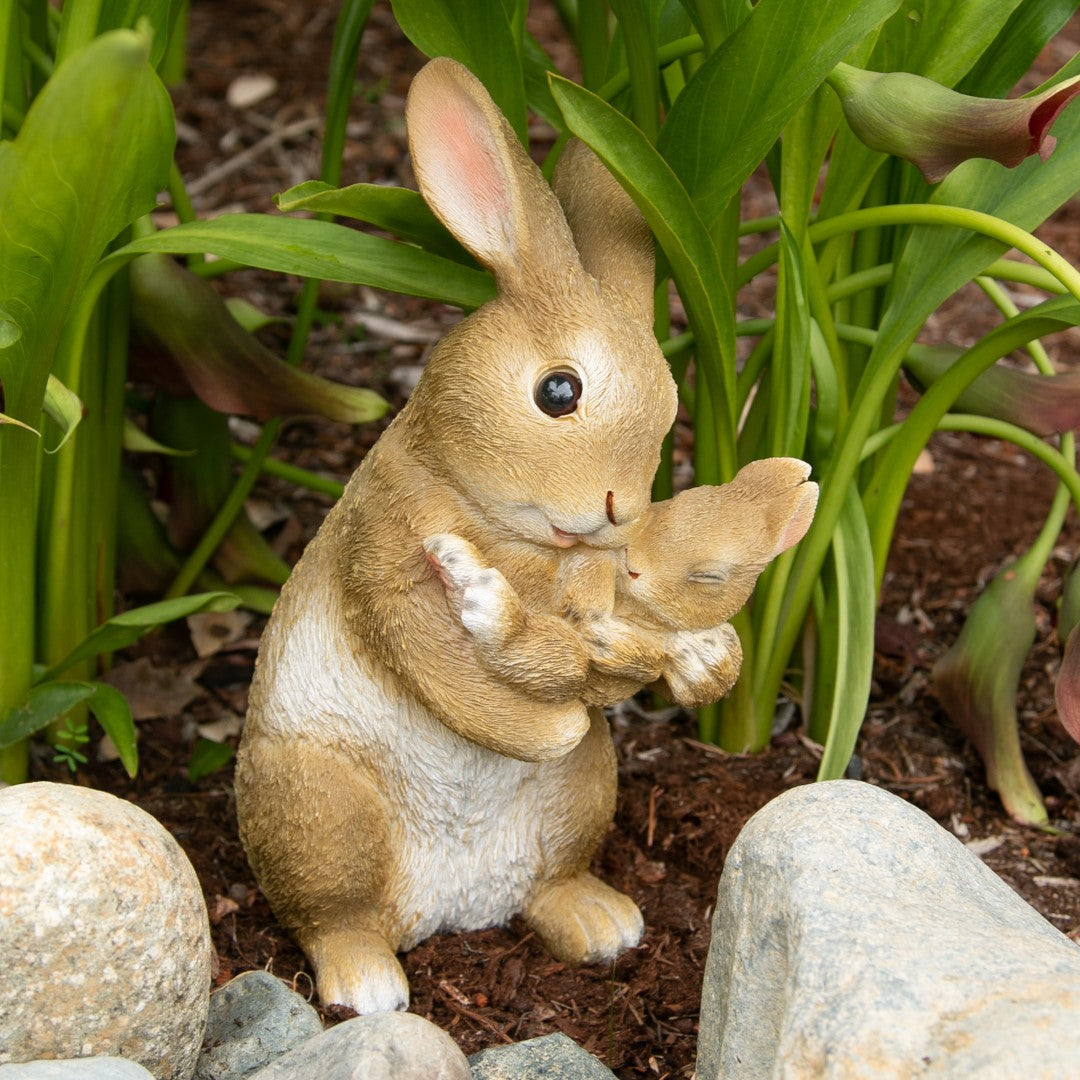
pixel 482 598
pixel 702 665
pixel 620 648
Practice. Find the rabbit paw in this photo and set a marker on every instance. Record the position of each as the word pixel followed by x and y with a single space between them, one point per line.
pixel 360 971
pixel 581 920
pixel 702 665
pixel 482 598
pixel 620 648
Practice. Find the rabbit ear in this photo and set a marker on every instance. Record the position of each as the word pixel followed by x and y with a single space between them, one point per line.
pixel 796 514
pixel 476 176
pixel 612 238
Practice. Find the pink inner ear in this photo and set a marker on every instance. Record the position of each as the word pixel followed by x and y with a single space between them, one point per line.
pixel 464 178
pixel 801 517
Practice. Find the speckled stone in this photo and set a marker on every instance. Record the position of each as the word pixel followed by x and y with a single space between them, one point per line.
pixel 254 1019
pixel 551 1057
pixel 104 939
pixel 379 1046
pixel 854 937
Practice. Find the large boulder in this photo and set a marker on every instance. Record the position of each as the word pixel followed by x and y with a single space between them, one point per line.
pixel 855 937
pixel 104 939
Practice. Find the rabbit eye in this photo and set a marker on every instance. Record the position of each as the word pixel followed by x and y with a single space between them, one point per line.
pixel 557 393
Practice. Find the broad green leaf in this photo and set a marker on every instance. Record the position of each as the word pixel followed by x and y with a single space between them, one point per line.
pixel 735 107
pixel 1016 47
pixel 113 713
pixel 852 608
pixel 45 703
pixel 321 249
pixel 10 331
pixel 478 34
pixel 124 629
pixel 91 156
pixel 207 757
pixel 941 39
pixel 401 211
pixel 63 406
pixel 682 234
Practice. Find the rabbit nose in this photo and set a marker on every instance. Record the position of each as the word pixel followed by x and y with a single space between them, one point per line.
pixel 609 506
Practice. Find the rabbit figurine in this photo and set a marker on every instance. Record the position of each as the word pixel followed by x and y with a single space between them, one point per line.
pixel 389 785
pixel 689 565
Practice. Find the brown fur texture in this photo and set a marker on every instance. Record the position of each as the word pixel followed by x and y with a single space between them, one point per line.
pixel 689 565
pixel 389 783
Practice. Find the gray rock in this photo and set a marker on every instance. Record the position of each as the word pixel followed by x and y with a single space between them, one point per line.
pixel 379 1046
pixel 95 1068
pixel 551 1057
pixel 855 937
pixel 253 1019
pixel 104 940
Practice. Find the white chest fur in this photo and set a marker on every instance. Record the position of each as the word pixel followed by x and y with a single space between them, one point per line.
pixel 469 822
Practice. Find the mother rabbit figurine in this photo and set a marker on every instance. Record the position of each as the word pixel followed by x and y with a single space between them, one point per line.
pixel 388 786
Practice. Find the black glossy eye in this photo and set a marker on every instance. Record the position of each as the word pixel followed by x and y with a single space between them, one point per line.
pixel 557 393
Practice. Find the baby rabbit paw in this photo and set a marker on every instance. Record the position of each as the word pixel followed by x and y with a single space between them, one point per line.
pixel 702 665
pixel 483 599
pixel 620 648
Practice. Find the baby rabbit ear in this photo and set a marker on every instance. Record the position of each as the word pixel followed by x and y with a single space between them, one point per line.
pixel 612 238
pixel 477 177
pixel 795 512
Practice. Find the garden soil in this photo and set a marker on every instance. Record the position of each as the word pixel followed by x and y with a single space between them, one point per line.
pixel 972 506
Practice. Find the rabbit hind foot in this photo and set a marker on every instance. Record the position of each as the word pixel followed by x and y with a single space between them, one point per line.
pixel 358 969
pixel 580 920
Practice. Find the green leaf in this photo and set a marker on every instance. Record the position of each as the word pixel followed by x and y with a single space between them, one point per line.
pixel 852 608
pixel 400 211
pixel 673 217
pixel 124 629
pixel 113 713
pixel 321 249
pixel 249 316
pixel 90 158
pixel 733 110
pixel 478 34
pixel 45 703
pixel 63 406
pixel 207 757
pixel 1016 47
pixel 125 14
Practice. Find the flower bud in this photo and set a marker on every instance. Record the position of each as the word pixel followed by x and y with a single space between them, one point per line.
pixel 937 128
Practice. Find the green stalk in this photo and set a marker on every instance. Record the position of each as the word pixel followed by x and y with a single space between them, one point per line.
pixel 347 34
pixel 639 22
pixel 78 27
pixel 592 40
pixel 292 474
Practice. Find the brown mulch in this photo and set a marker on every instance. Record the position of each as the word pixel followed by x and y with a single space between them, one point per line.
pixel 681 803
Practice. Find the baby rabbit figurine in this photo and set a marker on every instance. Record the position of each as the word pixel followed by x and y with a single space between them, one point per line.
pixel 389 785
pixel 689 565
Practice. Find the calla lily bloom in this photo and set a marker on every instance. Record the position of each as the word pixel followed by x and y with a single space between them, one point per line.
pixel 937 128
pixel 977 681
pixel 1041 404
